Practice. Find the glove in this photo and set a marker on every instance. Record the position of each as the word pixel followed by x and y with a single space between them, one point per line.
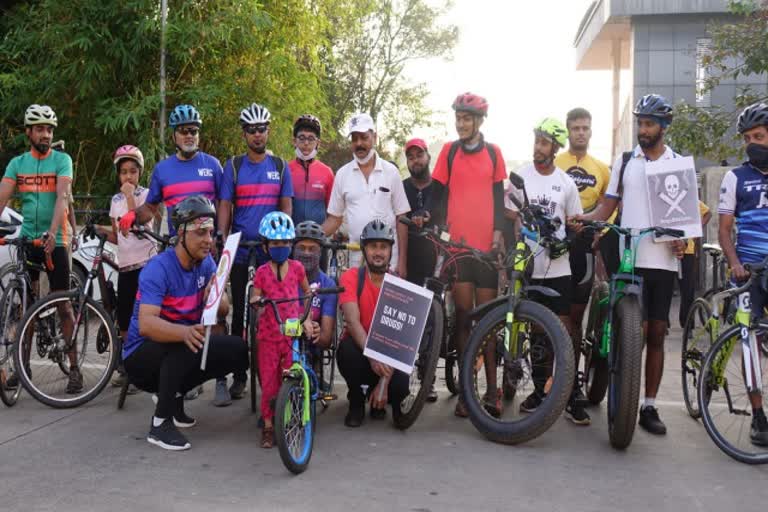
pixel 127 221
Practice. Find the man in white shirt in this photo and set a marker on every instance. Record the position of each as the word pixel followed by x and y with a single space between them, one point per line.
pixel 550 187
pixel 656 263
pixel 368 188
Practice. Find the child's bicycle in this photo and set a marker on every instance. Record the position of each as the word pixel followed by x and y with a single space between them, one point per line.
pixel 732 384
pixel 297 398
pixel 614 359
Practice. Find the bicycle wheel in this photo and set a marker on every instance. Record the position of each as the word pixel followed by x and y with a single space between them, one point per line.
pixel 424 370
pixel 697 340
pixel 624 378
pixel 42 345
pixel 595 366
pixel 726 410
pixel 452 372
pixel 293 435
pixel 11 308
pixel 542 365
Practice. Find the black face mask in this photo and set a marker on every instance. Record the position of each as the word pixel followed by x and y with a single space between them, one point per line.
pixel 758 156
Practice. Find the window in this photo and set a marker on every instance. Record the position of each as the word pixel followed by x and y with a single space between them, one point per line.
pixel 703 50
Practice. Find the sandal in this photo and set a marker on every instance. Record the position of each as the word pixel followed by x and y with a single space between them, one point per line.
pixel 268 437
pixel 461 409
pixel 493 406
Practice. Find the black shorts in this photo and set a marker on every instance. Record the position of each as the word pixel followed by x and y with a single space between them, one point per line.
pixel 481 275
pixel 59 277
pixel 657 292
pixel 609 250
pixel 127 286
pixel 561 305
pixel 579 252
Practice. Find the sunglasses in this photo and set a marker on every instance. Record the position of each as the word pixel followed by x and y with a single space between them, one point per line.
pixel 255 128
pixel 188 131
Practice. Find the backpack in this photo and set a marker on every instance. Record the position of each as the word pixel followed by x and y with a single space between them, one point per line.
pixel 625 158
pixel 452 155
pixel 237 162
pixel 360 283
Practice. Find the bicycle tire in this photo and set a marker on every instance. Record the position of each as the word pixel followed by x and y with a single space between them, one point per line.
pixel 288 420
pixel 106 362
pixel 452 373
pixel 707 390
pixel 595 365
pixel 539 421
pixel 624 379
pixel 10 313
pixel 428 356
pixel 693 351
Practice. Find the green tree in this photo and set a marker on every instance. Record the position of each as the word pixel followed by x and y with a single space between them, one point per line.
pixel 738 49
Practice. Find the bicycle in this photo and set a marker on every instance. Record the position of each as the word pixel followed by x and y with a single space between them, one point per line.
pixel 17 297
pixel 524 339
pixel 734 363
pixel 295 405
pixel 613 359
pixel 249 326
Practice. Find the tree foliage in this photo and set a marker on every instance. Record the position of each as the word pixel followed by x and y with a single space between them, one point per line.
pixel 738 49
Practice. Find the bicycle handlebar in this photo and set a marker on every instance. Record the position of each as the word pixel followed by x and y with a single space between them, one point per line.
pixel 659 231
pixel 435 234
pixel 263 301
pixel 340 246
pixel 142 232
pixel 27 242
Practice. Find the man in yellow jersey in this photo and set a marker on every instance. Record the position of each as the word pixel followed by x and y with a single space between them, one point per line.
pixel 591 178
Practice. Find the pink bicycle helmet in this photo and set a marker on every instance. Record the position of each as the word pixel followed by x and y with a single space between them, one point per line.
pixel 128 151
pixel 471 103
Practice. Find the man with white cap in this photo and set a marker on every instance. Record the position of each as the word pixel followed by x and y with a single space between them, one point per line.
pixel 368 188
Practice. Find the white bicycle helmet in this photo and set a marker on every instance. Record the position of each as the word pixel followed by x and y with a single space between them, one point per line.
pixel 40 114
pixel 255 114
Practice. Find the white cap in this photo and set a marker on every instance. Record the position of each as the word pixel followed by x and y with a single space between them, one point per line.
pixel 361 123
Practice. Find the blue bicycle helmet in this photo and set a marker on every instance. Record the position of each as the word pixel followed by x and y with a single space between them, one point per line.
pixel 277 226
pixel 184 114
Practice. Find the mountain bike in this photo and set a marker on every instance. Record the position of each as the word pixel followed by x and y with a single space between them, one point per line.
pixel 518 346
pixel 250 326
pixel 732 381
pixel 295 406
pixel 620 343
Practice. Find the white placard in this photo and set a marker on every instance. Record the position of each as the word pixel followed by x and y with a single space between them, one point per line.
pixel 673 196
pixel 219 285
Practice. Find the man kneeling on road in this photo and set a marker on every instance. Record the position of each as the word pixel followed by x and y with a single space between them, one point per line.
pixel 163 349
pixel 364 375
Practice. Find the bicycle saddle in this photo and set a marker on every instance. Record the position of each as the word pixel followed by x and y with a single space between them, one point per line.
pixel 712 249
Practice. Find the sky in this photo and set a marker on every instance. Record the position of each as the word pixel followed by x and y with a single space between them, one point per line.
pixel 519 55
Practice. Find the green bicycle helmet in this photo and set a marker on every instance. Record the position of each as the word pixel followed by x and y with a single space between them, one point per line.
pixel 553 130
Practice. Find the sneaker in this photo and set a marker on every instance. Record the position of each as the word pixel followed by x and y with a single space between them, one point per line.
pixel 119 380
pixel 432 395
pixel 650 421
pixel 180 418
pixel 759 432
pixel 192 394
pixel 168 437
pixel 75 383
pixel 222 398
pixel 576 412
pixel 354 417
pixel 493 404
pixel 378 414
pixel 237 390
pixel 12 382
pixel 578 398
pixel 532 402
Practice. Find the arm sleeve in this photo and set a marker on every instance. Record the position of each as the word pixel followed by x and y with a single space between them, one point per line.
pixel 10 172
pixel 500 172
pixel 152 285
pixel 337 205
pixel 64 170
pixel 349 281
pixel 440 172
pixel 227 189
pixel 328 185
pixel 703 208
pixel 155 195
pixel 613 182
pixel 498 206
pixel 510 190
pixel 573 205
pixel 258 277
pixel 328 303
pixel 437 203
pixel 727 204
pixel 400 204
pixel 286 187
pixel 114 211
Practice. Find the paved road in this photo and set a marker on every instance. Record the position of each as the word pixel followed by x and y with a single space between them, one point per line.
pixel 95 458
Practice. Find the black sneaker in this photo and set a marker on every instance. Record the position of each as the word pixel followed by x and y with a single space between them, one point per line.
pixel 180 418
pixel 650 421
pixel 75 383
pixel 12 382
pixel 237 390
pixel 576 413
pixel 578 397
pixel 354 417
pixel 168 437
pixel 759 432
pixel 378 414
pixel 532 402
pixel 432 395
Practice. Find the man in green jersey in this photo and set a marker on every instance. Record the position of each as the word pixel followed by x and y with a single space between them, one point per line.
pixel 43 178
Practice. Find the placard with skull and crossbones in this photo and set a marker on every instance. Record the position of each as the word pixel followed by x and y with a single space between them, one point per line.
pixel 673 195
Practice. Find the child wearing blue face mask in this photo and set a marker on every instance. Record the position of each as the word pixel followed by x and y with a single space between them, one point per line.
pixel 279 278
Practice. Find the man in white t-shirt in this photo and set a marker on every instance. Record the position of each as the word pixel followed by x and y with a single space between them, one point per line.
pixel 551 188
pixel 656 263
pixel 368 188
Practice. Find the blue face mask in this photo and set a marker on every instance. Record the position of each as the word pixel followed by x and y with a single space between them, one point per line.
pixel 279 254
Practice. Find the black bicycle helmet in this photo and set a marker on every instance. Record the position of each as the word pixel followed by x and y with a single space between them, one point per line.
pixel 377 229
pixel 753 116
pixel 191 208
pixel 307 122
pixel 310 230
pixel 654 105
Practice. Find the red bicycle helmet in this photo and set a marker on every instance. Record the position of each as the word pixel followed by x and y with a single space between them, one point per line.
pixel 471 103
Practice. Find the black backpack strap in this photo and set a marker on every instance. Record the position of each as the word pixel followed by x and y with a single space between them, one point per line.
pixel 360 283
pixel 451 156
pixel 279 165
pixel 237 162
pixel 492 154
pixel 625 158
